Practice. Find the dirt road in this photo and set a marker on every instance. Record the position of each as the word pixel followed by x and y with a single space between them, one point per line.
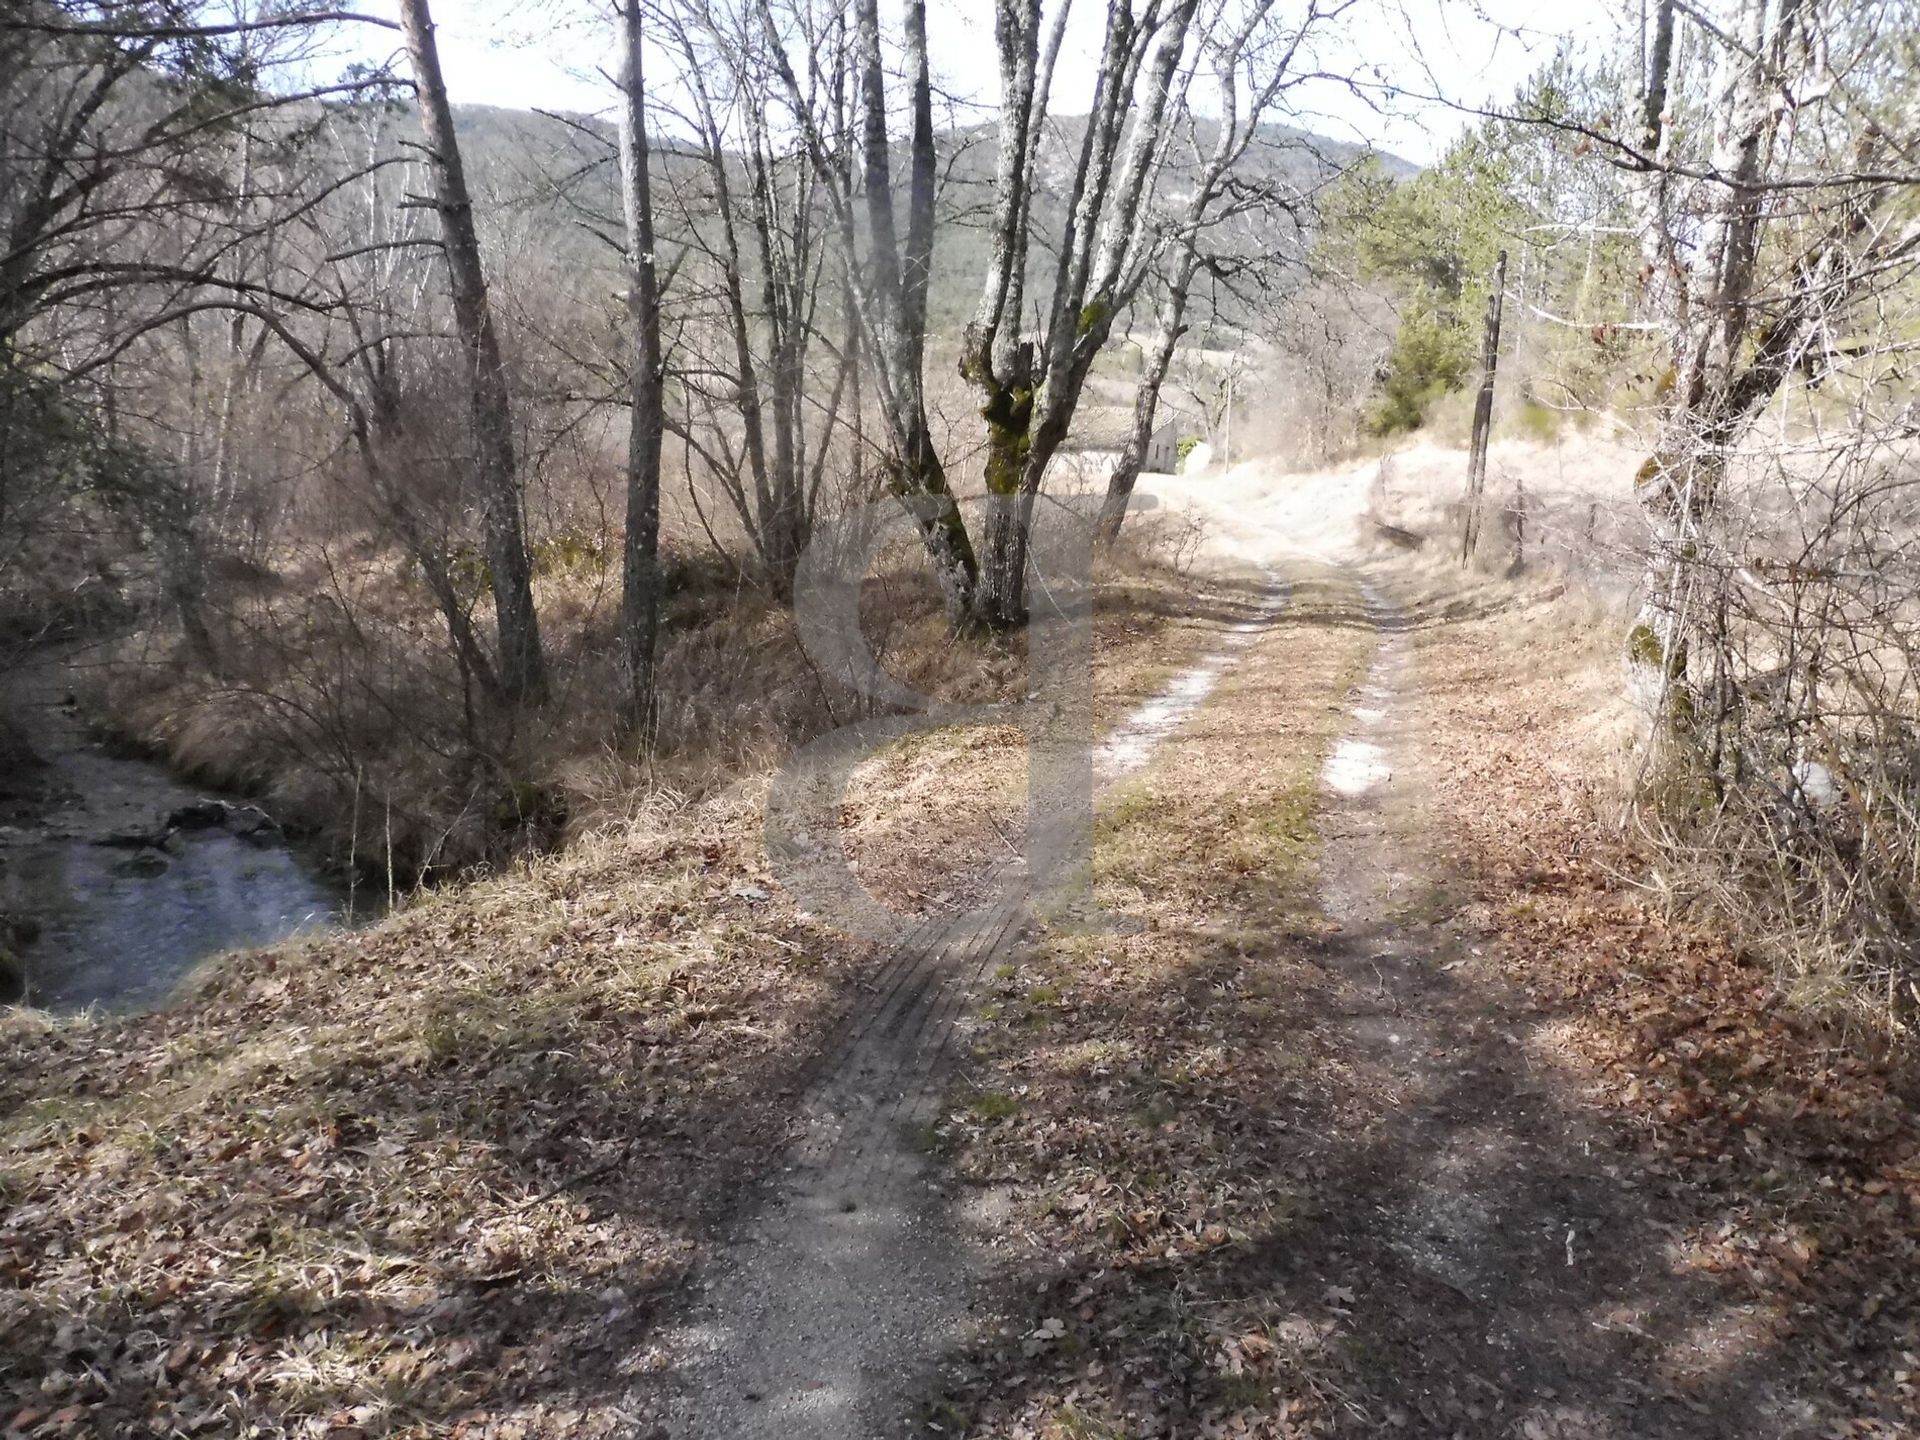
pixel 1342 1189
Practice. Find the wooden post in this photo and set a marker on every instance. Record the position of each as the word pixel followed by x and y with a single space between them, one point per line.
pixel 1226 445
pixel 1483 414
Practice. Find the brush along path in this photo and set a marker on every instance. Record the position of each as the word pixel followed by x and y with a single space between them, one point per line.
pixel 861 1266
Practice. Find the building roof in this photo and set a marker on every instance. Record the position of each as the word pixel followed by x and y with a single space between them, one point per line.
pixel 1104 427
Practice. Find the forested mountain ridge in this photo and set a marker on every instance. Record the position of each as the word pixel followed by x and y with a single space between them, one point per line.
pixel 559 169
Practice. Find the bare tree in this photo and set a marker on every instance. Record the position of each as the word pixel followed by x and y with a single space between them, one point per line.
pixel 756 212
pixel 1028 395
pixel 116 225
pixel 1775 157
pixel 888 290
pixel 1736 336
pixel 640 587
pixel 1232 42
pixel 510 569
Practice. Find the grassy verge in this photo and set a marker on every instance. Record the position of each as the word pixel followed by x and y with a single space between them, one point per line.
pixel 928 815
pixel 1142 1091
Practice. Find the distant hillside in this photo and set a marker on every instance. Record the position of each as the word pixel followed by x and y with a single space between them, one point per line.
pixel 557 175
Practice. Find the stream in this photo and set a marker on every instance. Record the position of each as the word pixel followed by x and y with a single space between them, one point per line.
pixel 117 878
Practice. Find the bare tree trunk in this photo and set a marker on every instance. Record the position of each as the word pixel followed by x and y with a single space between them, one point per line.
pixel 1146 397
pixel 1029 414
pixel 1483 415
pixel 1229 145
pixel 719 156
pixel 1706 300
pixel 522 660
pixel 883 302
pixel 897 314
pixel 994 359
pixel 640 582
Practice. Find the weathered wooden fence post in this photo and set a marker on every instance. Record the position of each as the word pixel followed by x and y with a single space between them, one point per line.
pixel 1483 414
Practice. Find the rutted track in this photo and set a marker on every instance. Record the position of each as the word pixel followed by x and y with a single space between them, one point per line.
pixel 818 1317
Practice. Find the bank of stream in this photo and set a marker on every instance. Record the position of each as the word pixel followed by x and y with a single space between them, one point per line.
pixel 117 878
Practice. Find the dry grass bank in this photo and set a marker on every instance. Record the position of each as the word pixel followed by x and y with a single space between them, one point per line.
pixel 336 701
pixel 1781 1156
pixel 1813 882
pixel 444 1175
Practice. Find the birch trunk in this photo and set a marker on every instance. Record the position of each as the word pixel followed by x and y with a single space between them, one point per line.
pixel 1707 307
pixel 896 305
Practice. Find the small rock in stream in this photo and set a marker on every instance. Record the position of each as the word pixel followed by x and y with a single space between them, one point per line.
pixel 201 815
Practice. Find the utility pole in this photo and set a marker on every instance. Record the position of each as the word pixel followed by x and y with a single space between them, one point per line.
pixel 1483 414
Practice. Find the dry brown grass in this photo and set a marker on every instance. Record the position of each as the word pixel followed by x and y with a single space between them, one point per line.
pixel 338 704
pixel 444 1176
pixel 960 795
pixel 443 1168
pixel 1142 1090
pixel 1782 1159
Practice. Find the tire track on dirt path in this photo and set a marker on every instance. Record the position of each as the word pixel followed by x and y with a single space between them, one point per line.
pixel 1496 1226
pixel 822 1314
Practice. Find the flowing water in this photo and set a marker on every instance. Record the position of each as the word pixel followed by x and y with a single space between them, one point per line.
pixel 126 877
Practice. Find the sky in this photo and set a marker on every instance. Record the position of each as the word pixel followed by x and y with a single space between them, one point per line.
pixel 543 54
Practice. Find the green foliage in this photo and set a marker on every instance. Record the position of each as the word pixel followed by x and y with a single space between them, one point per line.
pixel 1537 422
pixel 1431 243
pixel 993 1107
pixel 1431 356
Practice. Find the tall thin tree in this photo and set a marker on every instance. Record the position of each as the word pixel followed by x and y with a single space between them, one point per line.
pixel 640 558
pixel 523 668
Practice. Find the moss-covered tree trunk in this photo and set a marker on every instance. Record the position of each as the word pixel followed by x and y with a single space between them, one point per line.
pixel 1001 600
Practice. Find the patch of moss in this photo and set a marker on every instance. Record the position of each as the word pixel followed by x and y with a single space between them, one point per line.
pixel 993 1106
pixel 1643 646
pixel 1009 416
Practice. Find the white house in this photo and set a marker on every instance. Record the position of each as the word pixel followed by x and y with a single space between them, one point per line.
pixel 1100 433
